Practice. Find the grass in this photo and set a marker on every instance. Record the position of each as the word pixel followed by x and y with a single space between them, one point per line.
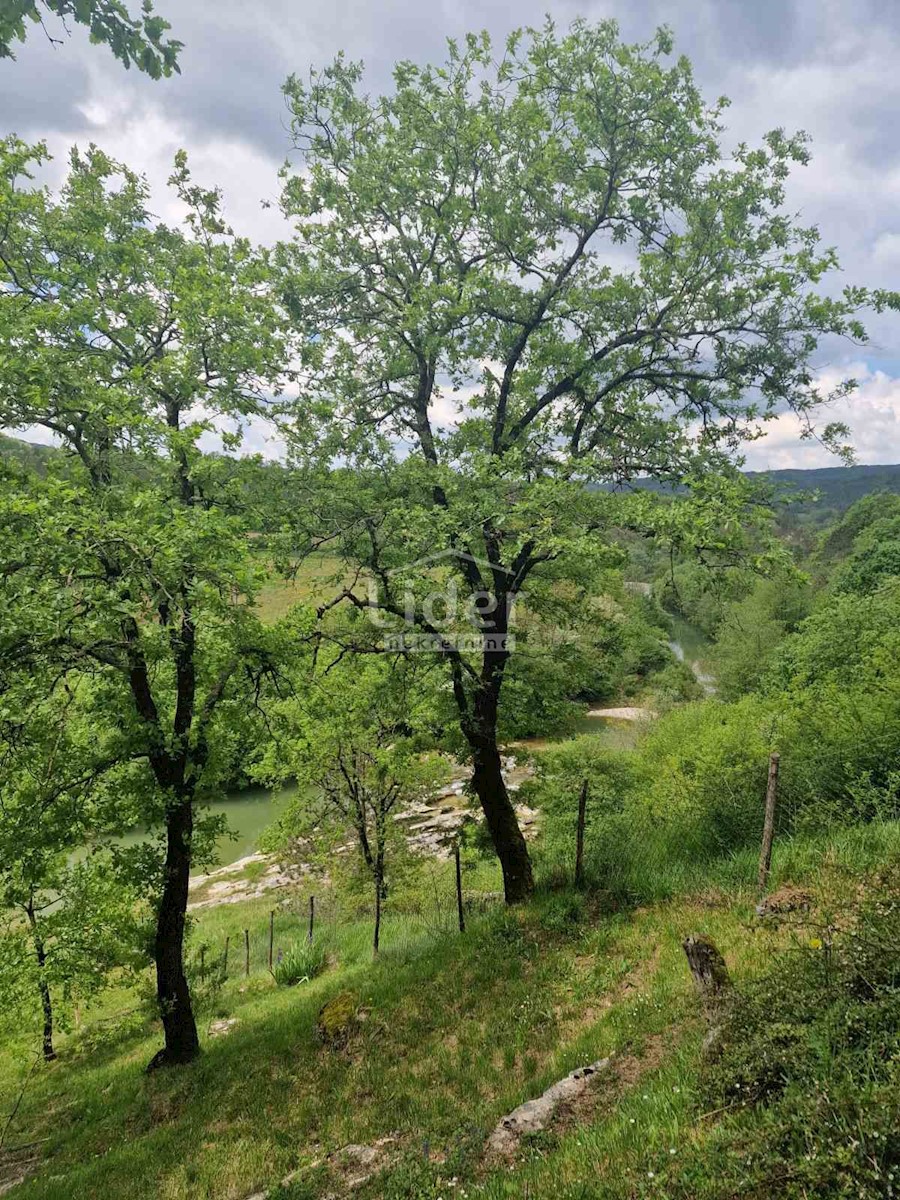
pixel 314 578
pixel 458 1030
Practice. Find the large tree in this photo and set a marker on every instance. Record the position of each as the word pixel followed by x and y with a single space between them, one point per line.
pixel 128 565
pixel 524 271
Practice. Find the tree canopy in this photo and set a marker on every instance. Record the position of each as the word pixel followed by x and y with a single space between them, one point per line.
pixel 523 272
pixel 139 39
pixel 127 339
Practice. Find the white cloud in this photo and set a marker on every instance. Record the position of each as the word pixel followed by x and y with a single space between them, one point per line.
pixel 872 412
pixel 247 178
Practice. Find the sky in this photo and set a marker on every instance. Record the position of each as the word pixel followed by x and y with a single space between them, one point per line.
pixel 830 67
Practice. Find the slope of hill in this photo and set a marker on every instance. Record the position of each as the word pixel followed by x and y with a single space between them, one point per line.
pixel 445 1034
pixel 28 454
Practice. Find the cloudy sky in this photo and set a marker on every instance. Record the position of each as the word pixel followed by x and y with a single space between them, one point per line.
pixel 831 67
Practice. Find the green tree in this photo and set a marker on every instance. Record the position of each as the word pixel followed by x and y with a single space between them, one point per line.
pixel 751 630
pixel 130 340
pixel 66 925
pixel 875 558
pixel 133 39
pixel 518 273
pixel 354 741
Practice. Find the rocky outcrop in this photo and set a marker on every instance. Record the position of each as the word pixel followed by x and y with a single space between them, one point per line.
pixel 535 1115
pixel 625 713
pixel 232 884
pixel 431 828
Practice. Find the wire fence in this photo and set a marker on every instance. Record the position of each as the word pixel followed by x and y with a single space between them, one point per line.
pixel 343 925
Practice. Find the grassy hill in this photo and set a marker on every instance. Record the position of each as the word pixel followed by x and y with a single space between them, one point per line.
pixel 451 1031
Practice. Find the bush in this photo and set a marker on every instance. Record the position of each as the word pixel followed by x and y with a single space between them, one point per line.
pixel 694 790
pixel 809 1069
pixel 301 962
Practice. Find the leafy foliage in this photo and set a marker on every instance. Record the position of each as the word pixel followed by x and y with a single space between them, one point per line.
pixel 133 39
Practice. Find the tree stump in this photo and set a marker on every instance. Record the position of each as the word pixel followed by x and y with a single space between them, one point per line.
pixel 707 965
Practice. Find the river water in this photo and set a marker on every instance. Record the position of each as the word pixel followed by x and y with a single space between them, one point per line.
pixel 247 811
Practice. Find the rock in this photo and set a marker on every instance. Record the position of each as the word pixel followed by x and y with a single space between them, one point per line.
pixel 228 885
pixel 360 1163
pixel 336 1019
pixel 625 713
pixel 535 1115
pixel 359 1156
pixel 222 1027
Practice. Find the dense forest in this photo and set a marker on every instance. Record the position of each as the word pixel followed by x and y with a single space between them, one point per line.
pixel 495 792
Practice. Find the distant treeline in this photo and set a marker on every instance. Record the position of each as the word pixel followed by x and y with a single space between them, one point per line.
pixel 815 495
pixel 812 496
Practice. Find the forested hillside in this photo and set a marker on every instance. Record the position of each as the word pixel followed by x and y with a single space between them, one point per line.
pixel 815 496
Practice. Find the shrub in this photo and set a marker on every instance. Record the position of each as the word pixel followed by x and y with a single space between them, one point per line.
pixel 301 962
pixel 809 1071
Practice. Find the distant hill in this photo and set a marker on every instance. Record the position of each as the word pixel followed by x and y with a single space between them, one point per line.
pixel 837 487
pixel 818 495
pixel 28 454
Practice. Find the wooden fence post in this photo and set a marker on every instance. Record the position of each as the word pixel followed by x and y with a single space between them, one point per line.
pixel 765 853
pixel 271 935
pixel 246 952
pixel 579 835
pixel 312 917
pixel 459 895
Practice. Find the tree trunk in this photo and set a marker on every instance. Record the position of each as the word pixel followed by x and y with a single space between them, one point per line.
pixel 478 719
pixel 43 986
pixel 377 935
pixel 181 1041
pixel 707 965
pixel 512 850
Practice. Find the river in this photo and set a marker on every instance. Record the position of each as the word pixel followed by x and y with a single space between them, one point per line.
pixel 248 811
